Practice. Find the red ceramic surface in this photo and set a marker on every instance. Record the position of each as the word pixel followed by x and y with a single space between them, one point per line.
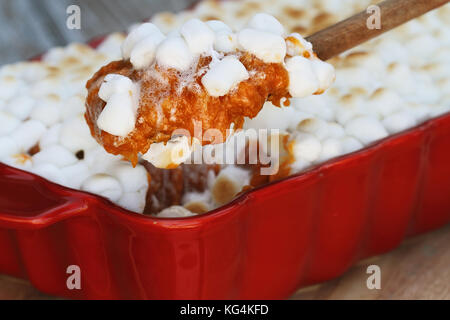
pixel 266 244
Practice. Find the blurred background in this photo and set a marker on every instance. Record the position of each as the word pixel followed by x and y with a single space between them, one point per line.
pixel 30 27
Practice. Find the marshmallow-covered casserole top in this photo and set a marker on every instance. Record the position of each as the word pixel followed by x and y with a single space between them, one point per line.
pixel 383 87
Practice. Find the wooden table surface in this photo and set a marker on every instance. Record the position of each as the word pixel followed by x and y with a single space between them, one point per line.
pixel 419 269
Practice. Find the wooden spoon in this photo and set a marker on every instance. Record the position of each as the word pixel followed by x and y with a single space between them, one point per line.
pixel 353 31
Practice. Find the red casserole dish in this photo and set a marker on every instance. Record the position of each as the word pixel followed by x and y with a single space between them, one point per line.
pixel 266 244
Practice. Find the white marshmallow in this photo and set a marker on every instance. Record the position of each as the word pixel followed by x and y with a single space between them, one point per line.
pixel 174 53
pixel 296 45
pixel 143 53
pixel 28 134
pixel 331 148
pixel 366 129
pixel 318 105
pixel 228 183
pixel 175 212
pixel 57 155
pixel 335 130
pixel 9 86
pixel 75 135
pixel 143 31
pixel 299 165
pixel 133 201
pixel 99 161
pixel 350 144
pixel 223 76
pixel 225 41
pixel 131 179
pixel 73 106
pixel 399 121
pixel 302 79
pixel 199 37
pixel 217 25
pixel 20 106
pixel 75 174
pixel 8 123
pixel 306 146
pixel 115 83
pixel 49 172
pixel 8 147
pixel 269 47
pixel 111 46
pixel 266 22
pixel 169 155
pixel 324 73
pixel 47 112
pixel 314 126
pixel 103 185
pixel 118 117
pixel 385 102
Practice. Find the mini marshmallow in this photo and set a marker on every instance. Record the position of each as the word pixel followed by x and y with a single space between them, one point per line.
pixel 437 111
pixel 385 102
pixel 350 144
pixel 8 123
pixel 199 37
pixel 75 174
pixel 225 41
pixel 47 112
pixel 8 147
pixel 51 136
pixel 420 112
pixel 118 117
pixel 335 130
pixel 366 129
pixel 217 25
pixel 131 179
pixel 175 212
pixel 28 134
pixel 115 83
pixel 20 106
pixel 223 76
pixel 133 201
pixel 399 121
pixel 302 79
pixel 174 53
pixel 314 126
pixel 169 155
pixel 306 146
pixel 75 135
pixel 331 148
pixel 266 22
pixel 296 45
pixel 228 183
pixel 111 46
pixel 143 31
pixel 99 161
pixel 9 86
pixel 324 73
pixel 269 47
pixel 299 165
pixel 197 202
pixel 103 185
pixel 57 155
pixel 143 53
pixel 50 172
pixel 317 105
pixel 73 106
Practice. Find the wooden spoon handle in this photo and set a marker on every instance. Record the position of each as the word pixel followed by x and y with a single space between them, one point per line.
pixel 351 32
